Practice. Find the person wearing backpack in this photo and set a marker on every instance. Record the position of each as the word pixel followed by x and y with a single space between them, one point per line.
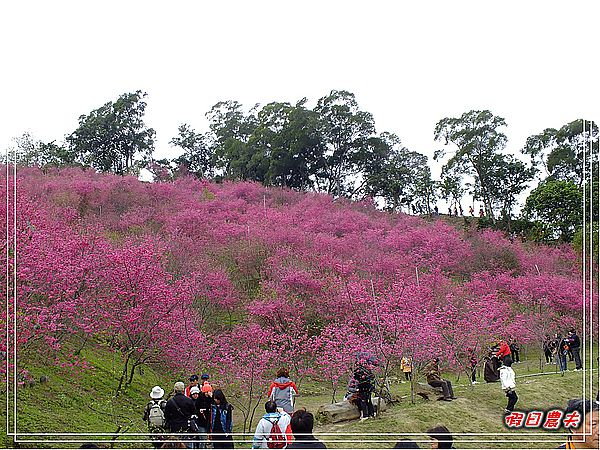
pixel 273 429
pixel 154 414
pixel 179 410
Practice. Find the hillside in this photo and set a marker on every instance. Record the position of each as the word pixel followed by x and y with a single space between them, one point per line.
pixel 123 284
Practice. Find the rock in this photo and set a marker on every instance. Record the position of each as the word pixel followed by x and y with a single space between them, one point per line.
pixel 341 411
pixel 424 390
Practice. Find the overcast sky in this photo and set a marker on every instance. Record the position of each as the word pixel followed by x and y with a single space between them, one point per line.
pixel 409 63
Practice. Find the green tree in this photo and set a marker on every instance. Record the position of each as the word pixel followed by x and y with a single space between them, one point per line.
pixel 287 144
pixel 478 142
pixel 114 137
pixel 557 205
pixel 561 154
pixel 231 129
pixel 396 174
pixel 198 155
pixel 347 134
pixel 31 152
pixel 508 179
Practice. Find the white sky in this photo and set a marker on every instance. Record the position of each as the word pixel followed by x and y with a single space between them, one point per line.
pixel 409 63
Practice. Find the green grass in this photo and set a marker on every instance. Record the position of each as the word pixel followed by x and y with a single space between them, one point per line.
pixel 86 403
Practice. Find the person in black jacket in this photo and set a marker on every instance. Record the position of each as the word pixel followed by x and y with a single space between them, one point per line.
pixel 179 410
pixel 202 401
pixel 302 428
pixel 575 345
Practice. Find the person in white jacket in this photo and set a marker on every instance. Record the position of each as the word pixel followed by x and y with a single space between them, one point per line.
pixel 507 378
pixel 266 423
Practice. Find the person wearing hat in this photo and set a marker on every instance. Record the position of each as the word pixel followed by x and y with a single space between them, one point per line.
pixel 586 435
pixel 154 414
pixel 193 382
pixel 179 410
pixel 205 385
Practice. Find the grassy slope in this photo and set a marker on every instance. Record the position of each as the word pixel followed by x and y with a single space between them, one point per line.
pixel 85 402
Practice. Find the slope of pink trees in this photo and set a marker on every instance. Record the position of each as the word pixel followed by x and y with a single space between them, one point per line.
pixel 244 279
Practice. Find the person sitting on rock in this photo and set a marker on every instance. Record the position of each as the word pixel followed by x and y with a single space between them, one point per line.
pixel 434 379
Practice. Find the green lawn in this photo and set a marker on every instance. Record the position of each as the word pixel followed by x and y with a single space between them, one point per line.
pixel 85 403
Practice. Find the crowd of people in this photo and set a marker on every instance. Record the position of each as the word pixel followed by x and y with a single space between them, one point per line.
pixel 198 416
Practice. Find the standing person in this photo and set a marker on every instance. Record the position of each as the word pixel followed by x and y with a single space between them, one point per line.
pixel 179 410
pixel 274 428
pixel 507 378
pixel 365 378
pixel 481 212
pixel 440 437
pixel 455 212
pixel 406 366
pixel 460 210
pixel 193 382
pixel 586 435
pixel 503 351
pixel 514 350
pixel 547 347
pixel 561 347
pixel 202 402
pixel 436 211
pixel 283 390
pixel 473 365
pixel 221 421
pixel 302 427
pixel 154 414
pixel 471 211
pixel 434 379
pixel 575 345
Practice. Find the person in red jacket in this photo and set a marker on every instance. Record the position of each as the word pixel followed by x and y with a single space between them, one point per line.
pixel 503 352
pixel 283 390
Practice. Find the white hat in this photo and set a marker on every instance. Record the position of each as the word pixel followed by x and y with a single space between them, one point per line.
pixel 157 392
pixel 194 390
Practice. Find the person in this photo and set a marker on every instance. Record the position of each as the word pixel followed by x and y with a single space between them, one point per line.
pixel 547 347
pixel 365 385
pixel 440 437
pixel 406 366
pixel 264 429
pixel 503 351
pixel 514 350
pixel 154 415
pixel 455 212
pixel 481 212
pixel 575 346
pixel 507 380
pixel 283 390
pixel 221 421
pixel 206 387
pixel 302 428
pixel 406 444
pixel 471 211
pixel 561 346
pixel 193 382
pixel 449 211
pixel 179 410
pixel 586 435
pixel 202 403
pixel 436 211
pixel 434 379
pixel 460 210
pixel 491 367
pixel 473 365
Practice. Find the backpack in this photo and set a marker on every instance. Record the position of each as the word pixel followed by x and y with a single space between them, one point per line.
pixel 156 415
pixel 276 438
